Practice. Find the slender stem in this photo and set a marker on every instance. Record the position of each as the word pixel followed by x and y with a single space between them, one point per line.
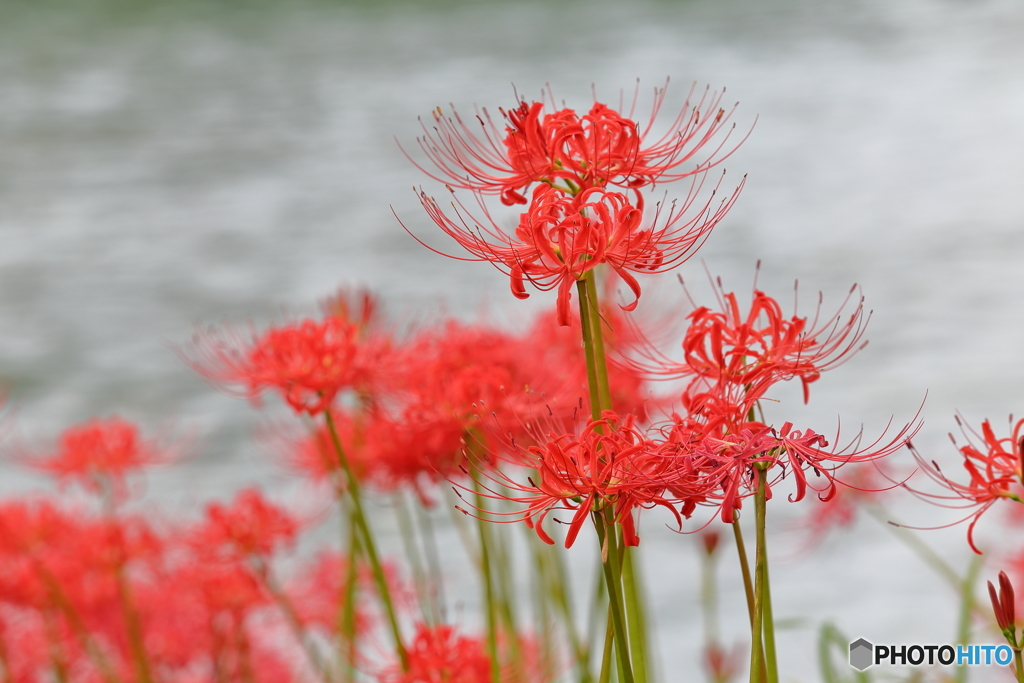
pixel 635 617
pixel 741 549
pixel 368 544
pixel 588 349
pixel 963 631
pixel 489 597
pixel 613 578
pixel 757 665
pixel 557 589
pixel 606 654
pixel 433 564
pixel 596 333
pixel 412 554
pixel 768 624
pixel 1018 667
pixel 347 608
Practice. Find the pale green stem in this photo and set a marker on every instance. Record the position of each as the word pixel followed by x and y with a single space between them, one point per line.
pixel 489 597
pixel 368 544
pixel 963 631
pixel 433 564
pixel 635 614
pixel 349 596
pixel 606 654
pixel 559 590
pixel 412 554
pixel 757 665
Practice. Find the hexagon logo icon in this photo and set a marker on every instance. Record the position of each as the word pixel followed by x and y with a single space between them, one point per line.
pixel 861 654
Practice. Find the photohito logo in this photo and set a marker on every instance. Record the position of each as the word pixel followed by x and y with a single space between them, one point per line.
pixel 863 654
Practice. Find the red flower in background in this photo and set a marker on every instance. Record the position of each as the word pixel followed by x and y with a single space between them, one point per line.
pixel 249 525
pixel 309 362
pixel 100 451
pixel 598 149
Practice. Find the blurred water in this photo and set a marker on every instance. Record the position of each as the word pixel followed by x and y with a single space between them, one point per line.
pixel 187 163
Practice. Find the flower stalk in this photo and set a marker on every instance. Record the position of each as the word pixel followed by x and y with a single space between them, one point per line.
pixel 368 544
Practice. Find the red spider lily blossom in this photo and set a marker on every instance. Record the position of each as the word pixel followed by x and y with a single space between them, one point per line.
pixel 309 362
pixel 734 353
pixel 609 463
pixel 562 236
pixel 438 654
pixel 598 149
pixel 994 471
pixel 100 452
pixel 249 525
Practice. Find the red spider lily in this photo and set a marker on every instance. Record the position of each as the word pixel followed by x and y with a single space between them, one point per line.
pixel 249 525
pixel 1003 603
pixel 562 236
pixel 598 149
pixel 99 452
pixel 308 362
pixel 609 463
pixel 994 471
pixel 438 654
pixel 750 351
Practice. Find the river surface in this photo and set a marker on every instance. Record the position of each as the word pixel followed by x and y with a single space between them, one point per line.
pixel 184 164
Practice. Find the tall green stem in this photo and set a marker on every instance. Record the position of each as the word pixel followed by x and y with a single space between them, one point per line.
pixel 612 575
pixel 368 543
pixel 489 596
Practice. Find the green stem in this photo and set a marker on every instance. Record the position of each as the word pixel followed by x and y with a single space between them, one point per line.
pixel 612 568
pixel 1018 665
pixel 596 332
pixel 963 631
pixel 635 614
pixel 433 564
pixel 741 549
pixel 412 554
pixel 757 665
pixel 489 597
pixel 588 349
pixel 606 655
pixel 347 627
pixel 368 544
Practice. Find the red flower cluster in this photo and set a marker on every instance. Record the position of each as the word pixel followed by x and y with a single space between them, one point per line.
pixel 710 455
pixel 90 596
pixel 574 221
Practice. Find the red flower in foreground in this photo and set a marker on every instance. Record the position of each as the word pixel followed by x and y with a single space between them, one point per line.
pixel 598 149
pixel 564 235
pixel 609 463
pixel 994 471
pixel 308 362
